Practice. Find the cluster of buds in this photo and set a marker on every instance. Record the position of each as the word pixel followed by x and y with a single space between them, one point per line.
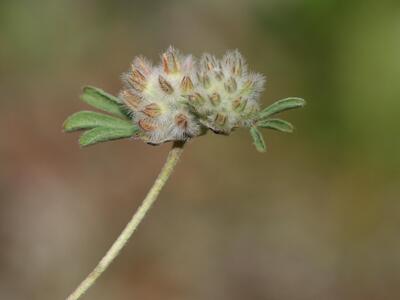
pixel 228 91
pixel 179 100
pixel 156 96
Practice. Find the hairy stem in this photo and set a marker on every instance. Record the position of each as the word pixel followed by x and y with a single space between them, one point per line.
pixel 130 228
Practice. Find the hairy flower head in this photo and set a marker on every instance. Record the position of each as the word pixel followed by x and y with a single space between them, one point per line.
pixel 156 96
pixel 229 91
pixel 179 99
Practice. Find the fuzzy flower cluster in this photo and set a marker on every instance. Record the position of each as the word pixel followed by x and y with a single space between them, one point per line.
pixel 180 98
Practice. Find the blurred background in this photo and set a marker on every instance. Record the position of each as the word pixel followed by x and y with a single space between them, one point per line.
pixel 317 217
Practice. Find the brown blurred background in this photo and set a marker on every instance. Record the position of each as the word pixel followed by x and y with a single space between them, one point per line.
pixel 317 217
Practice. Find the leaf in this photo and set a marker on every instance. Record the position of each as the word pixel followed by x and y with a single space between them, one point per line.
pixel 89 119
pixel 258 139
pixel 103 134
pixel 103 101
pixel 276 124
pixel 280 106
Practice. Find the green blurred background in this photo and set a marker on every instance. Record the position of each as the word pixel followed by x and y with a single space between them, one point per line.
pixel 317 217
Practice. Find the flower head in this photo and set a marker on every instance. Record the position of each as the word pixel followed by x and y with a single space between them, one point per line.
pixel 156 97
pixel 229 91
pixel 179 99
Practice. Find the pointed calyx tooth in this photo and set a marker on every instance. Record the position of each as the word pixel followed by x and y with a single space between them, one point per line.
pixel 170 61
pixel 204 80
pixel 165 85
pixel 234 62
pixel 227 60
pixel 186 84
pixel 152 110
pixel 137 79
pixel 209 62
pixel 239 104
pixel 248 85
pixel 237 67
pixel 230 85
pixel 131 100
pixel 196 99
pixel 215 98
pixel 220 119
pixel 142 65
pixel 181 121
pixel 147 125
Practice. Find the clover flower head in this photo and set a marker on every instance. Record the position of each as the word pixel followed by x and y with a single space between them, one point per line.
pixel 156 96
pixel 227 94
pixel 179 99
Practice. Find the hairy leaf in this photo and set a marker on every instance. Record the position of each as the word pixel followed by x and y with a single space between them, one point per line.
pixel 280 106
pixel 276 124
pixel 258 139
pixel 103 134
pixel 103 101
pixel 89 119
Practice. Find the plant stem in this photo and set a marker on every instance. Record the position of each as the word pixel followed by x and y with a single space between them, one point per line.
pixel 130 228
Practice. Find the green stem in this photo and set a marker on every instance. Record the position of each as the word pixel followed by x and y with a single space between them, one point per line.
pixel 130 228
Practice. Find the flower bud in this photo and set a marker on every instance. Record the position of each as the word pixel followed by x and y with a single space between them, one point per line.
pixel 186 84
pixel 165 85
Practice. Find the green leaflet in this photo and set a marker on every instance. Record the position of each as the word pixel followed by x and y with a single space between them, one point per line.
pixel 276 124
pixel 258 139
pixel 102 127
pixel 280 106
pixel 103 134
pixel 89 119
pixel 103 101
